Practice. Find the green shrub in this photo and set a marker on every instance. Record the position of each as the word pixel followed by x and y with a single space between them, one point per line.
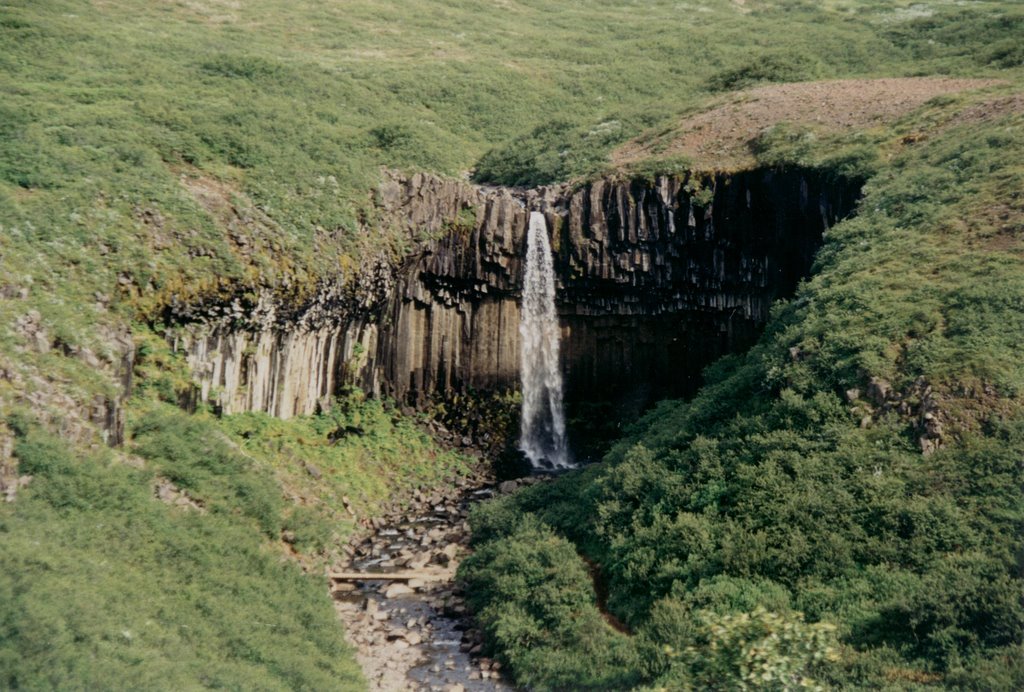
pixel 70 484
pixel 770 67
pixel 532 159
pixel 358 449
pixel 391 136
pixel 553 152
pixel 535 600
pixel 251 67
pixel 759 650
pixel 311 531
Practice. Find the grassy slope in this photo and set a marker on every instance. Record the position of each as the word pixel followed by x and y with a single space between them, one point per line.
pixel 103 584
pixel 291 107
pixel 772 489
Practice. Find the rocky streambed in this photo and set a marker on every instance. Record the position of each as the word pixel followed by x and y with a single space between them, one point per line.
pixel 403 611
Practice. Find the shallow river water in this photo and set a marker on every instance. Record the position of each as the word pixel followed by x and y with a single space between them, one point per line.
pixel 414 634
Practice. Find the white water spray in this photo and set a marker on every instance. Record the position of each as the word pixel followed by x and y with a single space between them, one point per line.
pixel 542 435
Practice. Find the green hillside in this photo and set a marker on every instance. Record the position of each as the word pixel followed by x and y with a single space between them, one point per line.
pixel 180 151
pixel 796 482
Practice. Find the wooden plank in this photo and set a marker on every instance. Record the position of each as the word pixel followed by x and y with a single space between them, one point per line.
pixel 389 576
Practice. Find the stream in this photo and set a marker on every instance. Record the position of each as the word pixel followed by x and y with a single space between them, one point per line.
pixel 413 632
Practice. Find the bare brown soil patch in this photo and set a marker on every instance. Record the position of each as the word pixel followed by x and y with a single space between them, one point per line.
pixel 719 138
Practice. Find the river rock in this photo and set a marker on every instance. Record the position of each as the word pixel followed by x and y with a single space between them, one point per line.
pixel 397 590
pixel 447 554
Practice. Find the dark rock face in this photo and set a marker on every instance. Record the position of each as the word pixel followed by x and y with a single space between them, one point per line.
pixel 656 280
pixel 661 279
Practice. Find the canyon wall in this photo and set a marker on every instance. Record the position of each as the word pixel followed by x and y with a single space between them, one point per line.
pixel 657 278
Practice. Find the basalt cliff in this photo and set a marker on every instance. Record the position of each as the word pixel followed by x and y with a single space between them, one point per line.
pixel 656 279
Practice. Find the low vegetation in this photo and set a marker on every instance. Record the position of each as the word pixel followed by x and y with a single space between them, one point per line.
pixel 102 582
pixel 852 484
pixel 356 455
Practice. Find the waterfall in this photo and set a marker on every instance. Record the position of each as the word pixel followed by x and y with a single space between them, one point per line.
pixel 542 433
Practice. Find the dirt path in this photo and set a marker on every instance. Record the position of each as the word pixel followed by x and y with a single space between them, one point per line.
pixel 719 138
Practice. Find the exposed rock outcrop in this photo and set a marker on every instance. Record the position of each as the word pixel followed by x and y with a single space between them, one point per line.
pixel 656 279
pixel 80 414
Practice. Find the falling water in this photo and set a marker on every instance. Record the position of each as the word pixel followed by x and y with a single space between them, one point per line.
pixel 542 436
